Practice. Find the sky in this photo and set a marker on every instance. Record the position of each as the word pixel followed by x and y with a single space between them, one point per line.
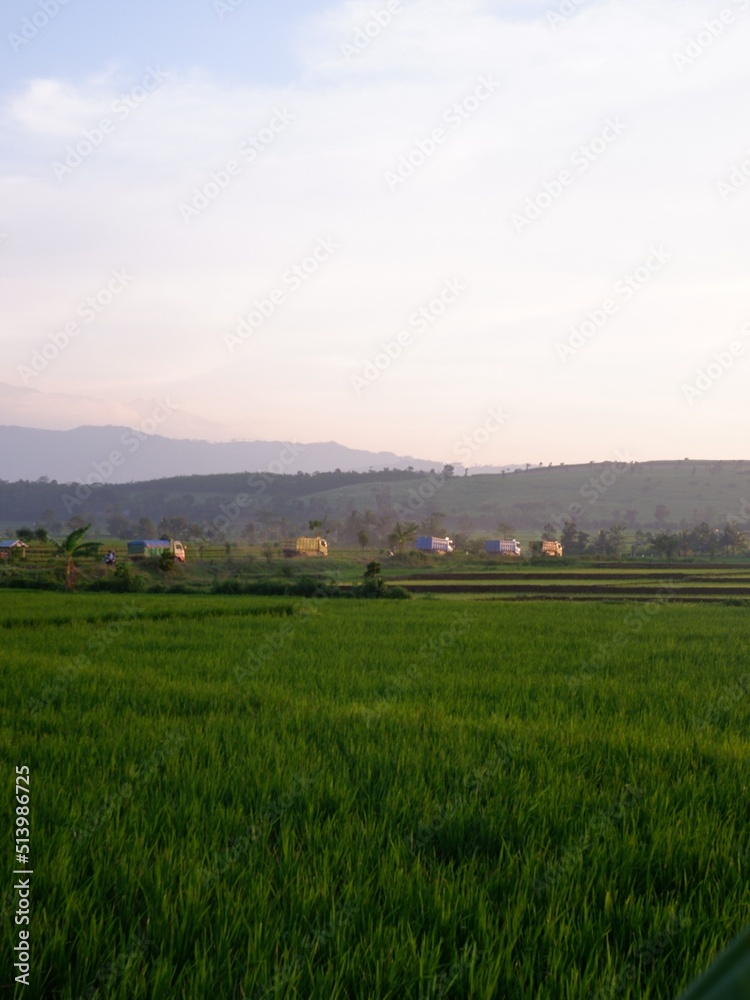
pixel 485 232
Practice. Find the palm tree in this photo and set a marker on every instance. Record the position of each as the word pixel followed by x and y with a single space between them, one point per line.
pixel 72 550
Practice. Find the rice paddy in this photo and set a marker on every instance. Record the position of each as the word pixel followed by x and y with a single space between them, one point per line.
pixel 248 797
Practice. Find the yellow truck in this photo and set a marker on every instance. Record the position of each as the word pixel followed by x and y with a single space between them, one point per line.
pixel 305 547
pixel 552 549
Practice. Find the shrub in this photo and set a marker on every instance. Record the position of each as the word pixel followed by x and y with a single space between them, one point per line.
pixel 166 562
pixel 124 580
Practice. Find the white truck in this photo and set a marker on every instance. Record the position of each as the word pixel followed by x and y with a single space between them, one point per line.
pixel 503 547
pixel 428 543
pixel 152 548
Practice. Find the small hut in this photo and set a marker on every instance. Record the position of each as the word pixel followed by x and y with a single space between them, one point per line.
pixel 13 547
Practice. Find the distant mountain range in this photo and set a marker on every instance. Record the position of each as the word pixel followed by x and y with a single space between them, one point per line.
pixel 123 455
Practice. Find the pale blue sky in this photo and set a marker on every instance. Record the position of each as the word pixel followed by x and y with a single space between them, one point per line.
pixel 320 181
pixel 249 43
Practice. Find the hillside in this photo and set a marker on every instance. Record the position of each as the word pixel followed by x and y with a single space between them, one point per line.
pixel 647 495
pixel 126 455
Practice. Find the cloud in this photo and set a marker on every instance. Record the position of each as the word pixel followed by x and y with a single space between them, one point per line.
pixel 351 121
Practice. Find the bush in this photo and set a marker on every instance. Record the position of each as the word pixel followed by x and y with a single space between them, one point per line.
pixel 124 580
pixel 374 586
pixel 166 562
pixel 29 581
pixel 305 587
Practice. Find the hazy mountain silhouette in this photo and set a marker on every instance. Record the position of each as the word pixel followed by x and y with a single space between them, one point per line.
pixel 122 455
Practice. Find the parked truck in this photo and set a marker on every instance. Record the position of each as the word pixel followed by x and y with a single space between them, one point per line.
pixel 153 548
pixel 305 547
pixel 503 547
pixel 552 549
pixel 427 543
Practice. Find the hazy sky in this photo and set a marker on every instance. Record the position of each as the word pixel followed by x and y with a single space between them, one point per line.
pixel 396 224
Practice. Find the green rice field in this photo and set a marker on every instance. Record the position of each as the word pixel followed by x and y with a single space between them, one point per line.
pixel 246 797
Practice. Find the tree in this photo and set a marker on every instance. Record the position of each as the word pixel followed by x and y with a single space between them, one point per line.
pixel 434 525
pixel 448 470
pixel 248 532
pixel 600 544
pixel 629 518
pixel 146 527
pixel 120 526
pixel 374 584
pixel 174 527
pixel 550 533
pixel 661 514
pixel 52 522
pixel 72 548
pixel 616 540
pixel 733 540
pixel 402 534
pixel 568 537
pixel 363 538
pixel 665 544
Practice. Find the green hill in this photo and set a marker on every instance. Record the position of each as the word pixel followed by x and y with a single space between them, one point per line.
pixel 646 495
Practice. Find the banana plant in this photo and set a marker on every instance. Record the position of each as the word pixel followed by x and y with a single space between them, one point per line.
pixel 72 548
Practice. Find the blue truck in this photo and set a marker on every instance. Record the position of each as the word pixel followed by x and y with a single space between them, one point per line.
pixel 503 547
pixel 428 543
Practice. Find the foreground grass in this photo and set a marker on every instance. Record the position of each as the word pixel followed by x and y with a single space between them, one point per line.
pixel 237 797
